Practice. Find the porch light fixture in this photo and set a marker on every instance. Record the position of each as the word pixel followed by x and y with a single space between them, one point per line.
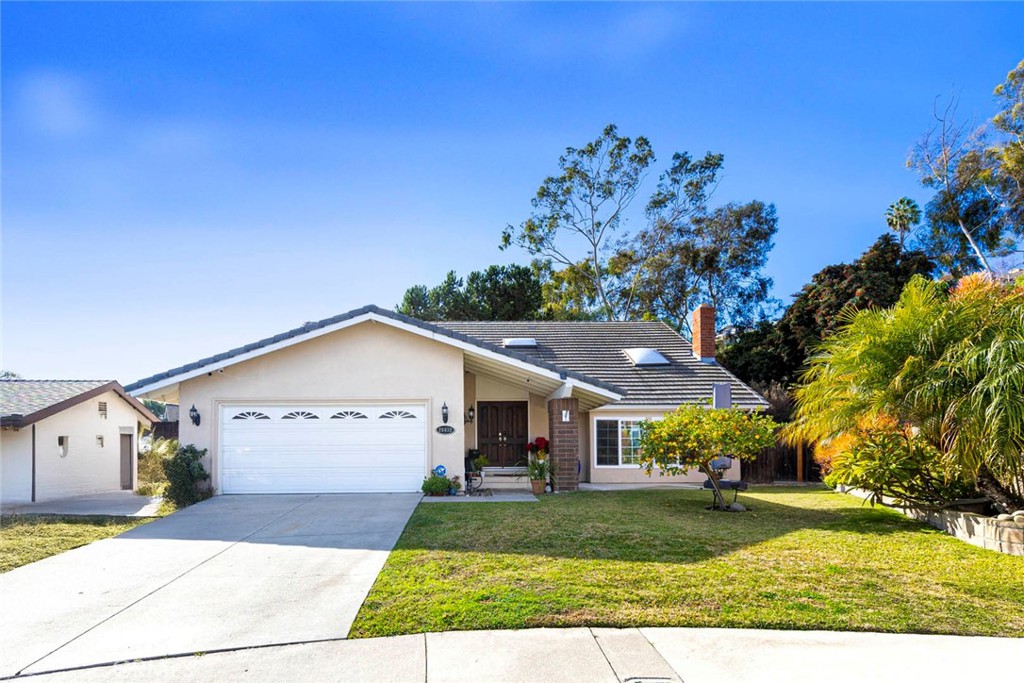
pixel 194 415
pixel 444 413
pixel 470 415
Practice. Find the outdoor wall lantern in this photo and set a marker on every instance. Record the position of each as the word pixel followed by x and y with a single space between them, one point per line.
pixel 470 415
pixel 444 413
pixel 194 415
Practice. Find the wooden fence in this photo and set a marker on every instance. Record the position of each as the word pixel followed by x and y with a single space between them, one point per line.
pixel 165 430
pixel 782 463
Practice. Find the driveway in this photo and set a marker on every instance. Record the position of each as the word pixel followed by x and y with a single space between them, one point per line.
pixel 230 572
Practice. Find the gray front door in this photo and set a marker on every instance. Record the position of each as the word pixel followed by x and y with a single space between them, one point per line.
pixel 126 462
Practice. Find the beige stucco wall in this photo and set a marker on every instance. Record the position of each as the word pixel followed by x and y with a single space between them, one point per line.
pixel 368 361
pixel 585 457
pixel 87 468
pixel 469 399
pixel 633 474
pixel 538 416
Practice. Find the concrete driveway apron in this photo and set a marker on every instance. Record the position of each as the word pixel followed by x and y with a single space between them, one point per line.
pixel 232 571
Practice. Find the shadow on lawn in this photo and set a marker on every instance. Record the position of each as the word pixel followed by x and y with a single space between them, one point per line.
pixel 641 526
pixel 652 525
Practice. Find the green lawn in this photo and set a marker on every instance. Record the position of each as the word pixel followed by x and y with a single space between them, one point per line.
pixel 802 559
pixel 27 538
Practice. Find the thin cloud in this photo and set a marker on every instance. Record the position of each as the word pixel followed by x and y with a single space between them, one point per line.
pixel 56 104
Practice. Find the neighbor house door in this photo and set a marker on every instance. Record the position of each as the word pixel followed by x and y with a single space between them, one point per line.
pixel 502 431
pixel 126 461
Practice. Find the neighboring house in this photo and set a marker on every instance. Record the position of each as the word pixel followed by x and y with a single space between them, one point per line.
pixel 61 438
pixel 372 400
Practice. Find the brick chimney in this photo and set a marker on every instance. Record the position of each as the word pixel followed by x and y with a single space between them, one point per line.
pixel 704 333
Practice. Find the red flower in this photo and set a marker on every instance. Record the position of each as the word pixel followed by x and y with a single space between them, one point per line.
pixel 530 448
pixel 541 443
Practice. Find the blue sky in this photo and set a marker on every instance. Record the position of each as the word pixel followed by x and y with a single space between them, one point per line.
pixel 179 179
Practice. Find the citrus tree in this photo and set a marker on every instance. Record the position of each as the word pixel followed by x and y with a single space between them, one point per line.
pixel 691 436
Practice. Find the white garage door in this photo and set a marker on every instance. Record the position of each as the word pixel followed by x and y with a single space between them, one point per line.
pixel 342 448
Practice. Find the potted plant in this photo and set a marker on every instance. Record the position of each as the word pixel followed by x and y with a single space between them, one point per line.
pixel 454 485
pixel 481 462
pixel 435 485
pixel 538 467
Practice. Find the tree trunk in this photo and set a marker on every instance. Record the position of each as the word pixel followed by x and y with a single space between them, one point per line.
pixel 974 245
pixel 1002 497
pixel 719 499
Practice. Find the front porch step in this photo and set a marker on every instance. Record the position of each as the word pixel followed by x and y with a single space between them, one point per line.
pixel 506 479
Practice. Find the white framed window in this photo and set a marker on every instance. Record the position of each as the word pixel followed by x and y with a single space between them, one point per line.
pixel 617 442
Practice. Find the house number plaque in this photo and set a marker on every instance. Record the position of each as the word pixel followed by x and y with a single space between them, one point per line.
pixel 446 429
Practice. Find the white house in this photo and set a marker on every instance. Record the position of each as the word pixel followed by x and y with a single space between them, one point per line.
pixel 62 438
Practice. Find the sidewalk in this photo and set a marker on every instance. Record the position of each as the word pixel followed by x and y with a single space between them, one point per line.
pixel 646 655
pixel 115 503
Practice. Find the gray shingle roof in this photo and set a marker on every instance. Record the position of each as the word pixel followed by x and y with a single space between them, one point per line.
pixel 596 349
pixel 26 396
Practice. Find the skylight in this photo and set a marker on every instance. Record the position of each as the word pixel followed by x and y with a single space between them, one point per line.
pixel 519 343
pixel 645 357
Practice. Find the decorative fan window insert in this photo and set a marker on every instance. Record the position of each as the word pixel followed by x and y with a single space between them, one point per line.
pixel 300 415
pixel 349 415
pixel 398 414
pixel 251 415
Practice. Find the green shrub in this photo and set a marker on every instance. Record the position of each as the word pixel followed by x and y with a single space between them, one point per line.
pixel 436 485
pixel 152 479
pixel 185 476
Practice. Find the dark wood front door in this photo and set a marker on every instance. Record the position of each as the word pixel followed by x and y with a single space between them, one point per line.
pixel 501 431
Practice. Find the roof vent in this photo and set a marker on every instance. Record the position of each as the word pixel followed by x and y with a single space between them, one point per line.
pixel 519 343
pixel 645 357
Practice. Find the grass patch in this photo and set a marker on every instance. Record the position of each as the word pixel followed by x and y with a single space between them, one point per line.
pixel 802 559
pixel 27 538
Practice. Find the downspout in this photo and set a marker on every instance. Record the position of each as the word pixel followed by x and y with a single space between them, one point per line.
pixel 33 463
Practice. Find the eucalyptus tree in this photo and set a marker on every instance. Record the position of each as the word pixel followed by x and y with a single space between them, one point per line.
pixel 977 173
pixel 579 217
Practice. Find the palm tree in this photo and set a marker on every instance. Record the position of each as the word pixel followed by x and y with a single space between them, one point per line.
pixel 902 216
pixel 947 365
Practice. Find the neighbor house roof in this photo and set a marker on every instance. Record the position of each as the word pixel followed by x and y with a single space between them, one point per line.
pixel 25 401
pixel 597 349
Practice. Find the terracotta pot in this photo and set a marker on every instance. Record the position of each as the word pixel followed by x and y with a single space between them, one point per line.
pixel 538 486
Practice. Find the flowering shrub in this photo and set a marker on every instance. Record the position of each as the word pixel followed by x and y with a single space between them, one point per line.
pixel 538 445
pixel 889 458
pixel 691 436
